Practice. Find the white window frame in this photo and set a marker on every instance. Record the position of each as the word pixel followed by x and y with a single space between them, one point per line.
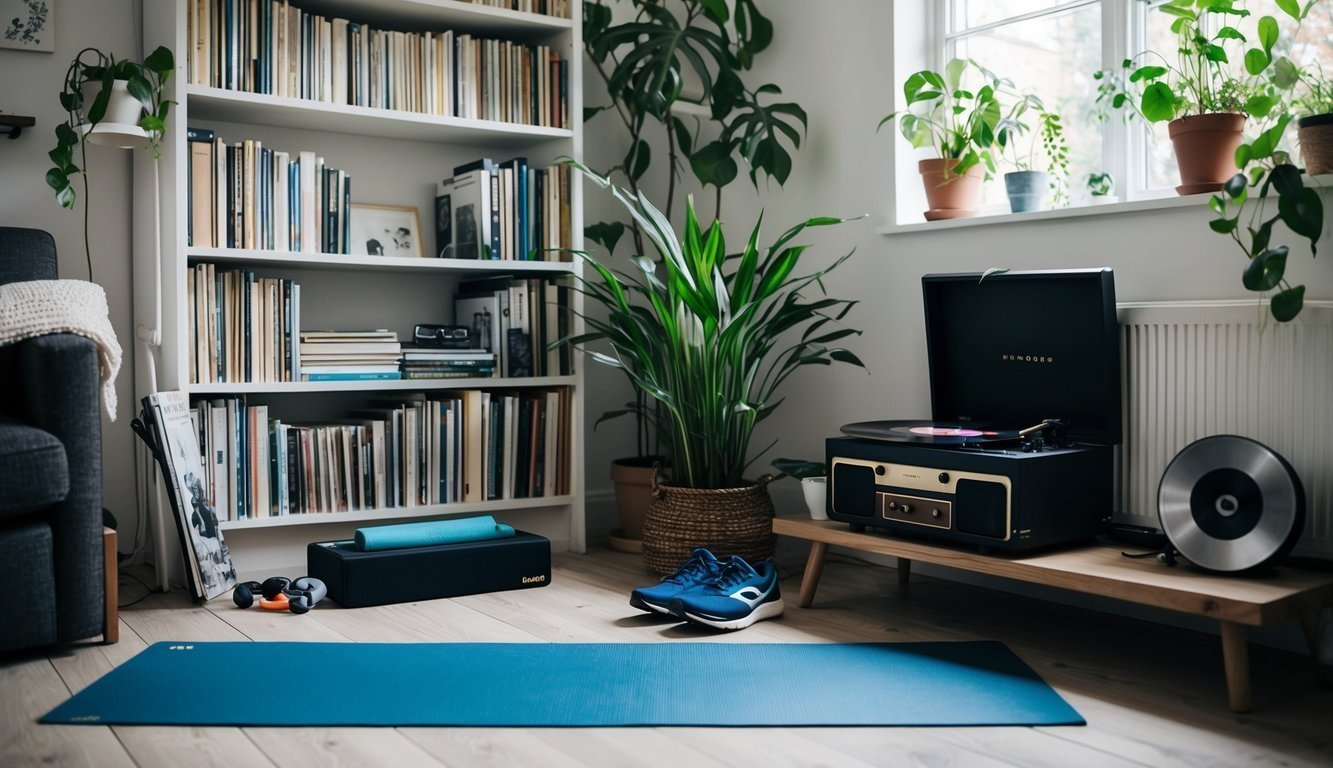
pixel 1124 33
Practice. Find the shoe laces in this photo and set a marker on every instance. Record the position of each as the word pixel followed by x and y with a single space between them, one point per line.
pixel 735 572
pixel 696 568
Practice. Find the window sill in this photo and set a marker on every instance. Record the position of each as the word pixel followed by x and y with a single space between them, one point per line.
pixel 985 220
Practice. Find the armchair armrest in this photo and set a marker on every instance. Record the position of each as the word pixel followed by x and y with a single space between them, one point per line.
pixel 51 382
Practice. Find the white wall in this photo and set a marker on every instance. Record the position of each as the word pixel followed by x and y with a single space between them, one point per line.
pixel 30 86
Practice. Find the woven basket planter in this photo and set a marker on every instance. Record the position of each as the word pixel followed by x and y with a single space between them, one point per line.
pixel 1316 137
pixel 728 521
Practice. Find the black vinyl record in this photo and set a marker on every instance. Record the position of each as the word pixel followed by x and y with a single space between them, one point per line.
pixel 1229 503
pixel 929 432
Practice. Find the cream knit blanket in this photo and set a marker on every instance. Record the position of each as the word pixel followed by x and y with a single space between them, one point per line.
pixel 38 307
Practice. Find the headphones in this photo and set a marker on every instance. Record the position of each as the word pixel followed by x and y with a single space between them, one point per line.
pixel 281 594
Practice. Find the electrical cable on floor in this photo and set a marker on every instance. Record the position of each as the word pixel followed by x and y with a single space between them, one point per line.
pixel 147 590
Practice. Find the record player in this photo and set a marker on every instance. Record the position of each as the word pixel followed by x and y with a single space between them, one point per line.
pixel 1025 415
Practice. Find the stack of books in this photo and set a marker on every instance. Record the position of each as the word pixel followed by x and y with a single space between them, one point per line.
pixel 350 355
pixel 430 363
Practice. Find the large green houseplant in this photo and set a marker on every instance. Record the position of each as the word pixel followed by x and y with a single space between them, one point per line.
pixel 957 113
pixel 646 55
pixel 101 90
pixel 711 337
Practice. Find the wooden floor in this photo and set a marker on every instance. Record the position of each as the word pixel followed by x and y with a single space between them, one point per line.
pixel 1164 708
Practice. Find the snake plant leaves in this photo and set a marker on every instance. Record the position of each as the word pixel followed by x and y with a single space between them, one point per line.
pixel 711 338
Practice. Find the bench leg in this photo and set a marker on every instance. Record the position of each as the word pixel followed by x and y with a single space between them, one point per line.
pixel 904 570
pixel 1236 661
pixel 814 566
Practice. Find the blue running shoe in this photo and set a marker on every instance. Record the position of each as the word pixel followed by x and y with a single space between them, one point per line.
pixel 701 567
pixel 741 595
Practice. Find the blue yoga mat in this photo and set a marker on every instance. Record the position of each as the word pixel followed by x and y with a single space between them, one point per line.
pixel 569 684
pixel 431 533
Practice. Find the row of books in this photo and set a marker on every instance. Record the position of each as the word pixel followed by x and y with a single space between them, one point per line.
pixel 350 355
pixel 504 211
pixel 559 8
pixel 246 195
pixel 242 326
pixel 517 319
pixel 271 47
pixel 406 451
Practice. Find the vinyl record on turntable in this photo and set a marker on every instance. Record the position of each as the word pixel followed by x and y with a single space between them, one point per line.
pixel 1229 503
pixel 929 432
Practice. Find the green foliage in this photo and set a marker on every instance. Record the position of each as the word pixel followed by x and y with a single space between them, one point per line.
pixel 145 82
pixel 1244 210
pixel 644 61
pixel 709 336
pixel 1199 78
pixel 954 115
pixel 799 468
pixel 1048 138
pixel 1100 184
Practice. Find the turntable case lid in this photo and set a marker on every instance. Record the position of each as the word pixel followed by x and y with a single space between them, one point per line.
pixel 1020 347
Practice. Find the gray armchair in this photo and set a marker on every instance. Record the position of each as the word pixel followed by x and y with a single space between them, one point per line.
pixel 51 568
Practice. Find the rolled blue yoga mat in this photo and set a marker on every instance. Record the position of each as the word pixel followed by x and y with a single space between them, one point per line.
pixel 428 534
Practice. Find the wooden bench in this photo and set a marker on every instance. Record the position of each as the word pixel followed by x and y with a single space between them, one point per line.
pixel 1236 602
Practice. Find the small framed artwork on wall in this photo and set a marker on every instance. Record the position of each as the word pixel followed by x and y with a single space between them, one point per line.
pixel 28 25
pixel 384 230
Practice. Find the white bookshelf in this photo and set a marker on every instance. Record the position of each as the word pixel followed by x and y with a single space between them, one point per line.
pixel 394 158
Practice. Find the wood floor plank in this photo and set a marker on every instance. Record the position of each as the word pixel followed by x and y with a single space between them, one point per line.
pixel 31 688
pixel 1153 695
pixel 340 748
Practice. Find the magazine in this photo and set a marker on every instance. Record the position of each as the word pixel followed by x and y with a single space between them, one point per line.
pixel 209 567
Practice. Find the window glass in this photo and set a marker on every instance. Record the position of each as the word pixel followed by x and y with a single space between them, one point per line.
pixel 1159 159
pixel 976 13
pixel 1052 57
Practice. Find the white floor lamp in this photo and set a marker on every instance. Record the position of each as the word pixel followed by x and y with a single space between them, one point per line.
pixel 118 131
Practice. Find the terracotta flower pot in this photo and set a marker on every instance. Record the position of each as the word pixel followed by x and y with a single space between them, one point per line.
pixel 950 195
pixel 1206 150
pixel 1316 138
pixel 633 481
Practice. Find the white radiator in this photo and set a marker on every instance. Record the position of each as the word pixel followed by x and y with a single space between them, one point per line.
pixel 1193 369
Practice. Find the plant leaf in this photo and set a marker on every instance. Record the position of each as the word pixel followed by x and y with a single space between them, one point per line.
pixel 1158 103
pixel 1264 272
pixel 1286 305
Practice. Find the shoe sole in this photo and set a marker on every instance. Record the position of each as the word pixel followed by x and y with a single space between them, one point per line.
pixel 765 611
pixel 644 605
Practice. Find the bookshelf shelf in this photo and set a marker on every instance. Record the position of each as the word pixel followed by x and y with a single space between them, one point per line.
pixel 397 159
pixel 410 14
pixel 398 513
pixel 391 385
pixel 208 103
pixel 333 261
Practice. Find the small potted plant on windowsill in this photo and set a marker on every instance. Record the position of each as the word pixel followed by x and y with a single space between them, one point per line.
pixel 108 101
pixel 1101 188
pixel 961 122
pixel 1030 189
pixel 1204 104
pixel 1315 107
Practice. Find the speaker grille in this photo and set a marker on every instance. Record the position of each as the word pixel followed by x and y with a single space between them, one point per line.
pixel 853 490
pixel 979 509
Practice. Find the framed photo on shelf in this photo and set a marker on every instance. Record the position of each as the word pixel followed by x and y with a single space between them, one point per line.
pixel 28 25
pixel 384 230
